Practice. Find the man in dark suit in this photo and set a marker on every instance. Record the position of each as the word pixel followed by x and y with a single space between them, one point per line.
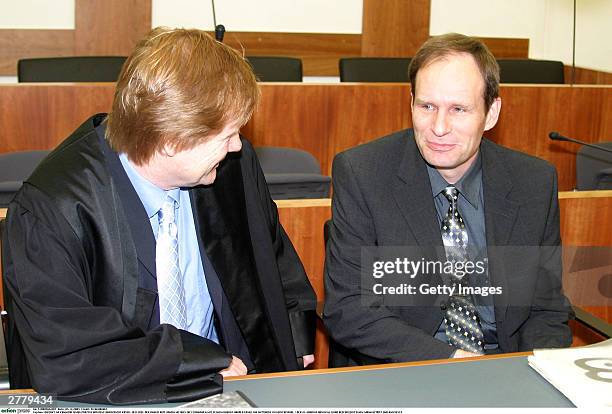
pixel 442 187
pixel 144 259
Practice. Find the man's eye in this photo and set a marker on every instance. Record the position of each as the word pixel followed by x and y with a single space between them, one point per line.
pixel 459 109
pixel 427 107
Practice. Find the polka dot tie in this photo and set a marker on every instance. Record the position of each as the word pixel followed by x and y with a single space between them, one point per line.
pixel 461 320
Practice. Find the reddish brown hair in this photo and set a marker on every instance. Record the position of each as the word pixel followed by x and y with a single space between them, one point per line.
pixel 178 87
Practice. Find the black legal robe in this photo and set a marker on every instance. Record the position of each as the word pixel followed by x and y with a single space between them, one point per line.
pixel 72 262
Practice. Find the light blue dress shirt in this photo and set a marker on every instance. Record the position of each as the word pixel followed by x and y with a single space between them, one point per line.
pixel 200 311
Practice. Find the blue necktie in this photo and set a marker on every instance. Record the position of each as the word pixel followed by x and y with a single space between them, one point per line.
pixel 169 279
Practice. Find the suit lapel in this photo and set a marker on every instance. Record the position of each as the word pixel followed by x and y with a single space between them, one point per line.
pixel 412 192
pixel 501 213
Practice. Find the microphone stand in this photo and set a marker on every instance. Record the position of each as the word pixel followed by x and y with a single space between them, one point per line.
pixel 219 28
pixel 555 136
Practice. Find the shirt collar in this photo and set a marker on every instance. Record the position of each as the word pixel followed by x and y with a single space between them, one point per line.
pixel 469 185
pixel 152 196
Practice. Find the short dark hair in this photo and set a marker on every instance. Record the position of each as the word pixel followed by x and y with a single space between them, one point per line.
pixel 439 47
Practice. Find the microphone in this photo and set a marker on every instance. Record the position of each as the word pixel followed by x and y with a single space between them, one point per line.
pixel 219 32
pixel 555 136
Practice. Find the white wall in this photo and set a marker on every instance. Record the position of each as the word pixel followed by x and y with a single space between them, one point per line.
pixel 594 34
pixel 36 14
pixel 298 16
pixel 548 25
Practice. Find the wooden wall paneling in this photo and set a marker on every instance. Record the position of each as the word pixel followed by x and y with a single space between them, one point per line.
pixel 18 44
pixel 110 27
pixel 586 218
pixel 303 221
pixel 580 213
pixel 285 118
pixel 394 27
pixel 360 114
pixel 326 118
pixel 587 76
pixel 507 48
pixel 583 335
pixel 530 112
pixel 39 116
pixel 319 51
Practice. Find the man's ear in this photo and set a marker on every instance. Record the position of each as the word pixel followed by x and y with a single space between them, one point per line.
pixel 168 150
pixel 411 101
pixel 493 114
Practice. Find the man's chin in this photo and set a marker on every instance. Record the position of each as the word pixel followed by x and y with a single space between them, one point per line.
pixel 442 163
pixel 209 178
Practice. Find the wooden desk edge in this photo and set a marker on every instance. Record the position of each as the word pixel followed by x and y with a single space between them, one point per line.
pixel 326 202
pixel 306 202
pixel 340 370
pixel 374 367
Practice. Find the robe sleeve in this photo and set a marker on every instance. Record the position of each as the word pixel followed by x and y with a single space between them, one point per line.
pixel 76 347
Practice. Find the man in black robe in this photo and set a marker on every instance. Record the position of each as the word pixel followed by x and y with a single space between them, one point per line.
pixel 101 310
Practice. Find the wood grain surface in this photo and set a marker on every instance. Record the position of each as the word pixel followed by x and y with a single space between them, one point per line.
pixel 18 44
pixel 325 119
pixel 319 52
pixel 587 76
pixel 394 27
pixel 40 116
pixel 110 27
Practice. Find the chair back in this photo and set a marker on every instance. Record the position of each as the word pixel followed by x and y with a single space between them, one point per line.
pixel 374 69
pixel 594 168
pixel 292 173
pixel 276 68
pixel 70 69
pixel 530 71
pixel 15 167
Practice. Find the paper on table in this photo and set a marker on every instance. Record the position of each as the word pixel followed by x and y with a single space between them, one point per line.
pixel 582 374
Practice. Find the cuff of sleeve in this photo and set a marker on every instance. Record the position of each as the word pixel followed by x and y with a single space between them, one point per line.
pixel 303 325
pixel 198 374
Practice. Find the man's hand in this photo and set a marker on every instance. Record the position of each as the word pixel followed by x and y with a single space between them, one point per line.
pixel 460 353
pixel 308 359
pixel 236 368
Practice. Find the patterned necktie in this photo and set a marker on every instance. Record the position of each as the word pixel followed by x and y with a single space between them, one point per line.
pixel 461 320
pixel 169 280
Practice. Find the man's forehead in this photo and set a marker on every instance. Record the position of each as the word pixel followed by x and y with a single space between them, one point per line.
pixel 453 76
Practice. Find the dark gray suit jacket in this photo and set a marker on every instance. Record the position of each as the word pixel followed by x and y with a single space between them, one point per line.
pixel 382 197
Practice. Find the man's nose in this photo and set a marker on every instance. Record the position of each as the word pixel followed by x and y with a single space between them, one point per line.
pixel 441 125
